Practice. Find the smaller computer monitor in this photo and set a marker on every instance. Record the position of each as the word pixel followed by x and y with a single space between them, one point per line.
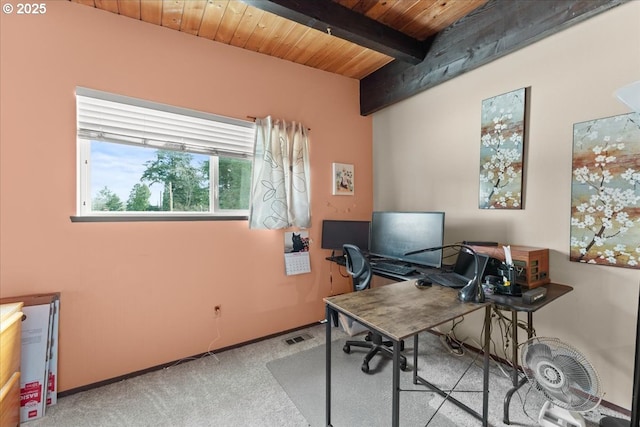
pixel 336 233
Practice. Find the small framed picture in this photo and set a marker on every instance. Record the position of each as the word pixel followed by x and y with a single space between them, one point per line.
pixel 342 179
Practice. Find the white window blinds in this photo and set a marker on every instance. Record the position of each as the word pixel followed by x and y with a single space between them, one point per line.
pixel 114 118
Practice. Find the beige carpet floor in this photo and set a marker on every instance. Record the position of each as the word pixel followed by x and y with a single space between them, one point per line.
pixel 237 388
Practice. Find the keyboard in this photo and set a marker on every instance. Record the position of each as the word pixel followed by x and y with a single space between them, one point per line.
pixel 388 267
pixel 446 279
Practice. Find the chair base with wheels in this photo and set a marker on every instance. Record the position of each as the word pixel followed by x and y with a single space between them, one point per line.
pixel 359 268
pixel 376 345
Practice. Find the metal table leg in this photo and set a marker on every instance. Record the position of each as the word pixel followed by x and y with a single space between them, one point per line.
pixel 415 359
pixel 507 399
pixel 417 379
pixel 514 360
pixel 329 312
pixel 485 382
pixel 395 410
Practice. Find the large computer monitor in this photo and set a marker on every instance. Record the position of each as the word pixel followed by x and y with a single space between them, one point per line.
pixel 395 233
pixel 336 233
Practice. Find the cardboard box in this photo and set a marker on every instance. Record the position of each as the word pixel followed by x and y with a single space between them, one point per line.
pixel 350 326
pixel 52 383
pixel 33 365
pixel 38 344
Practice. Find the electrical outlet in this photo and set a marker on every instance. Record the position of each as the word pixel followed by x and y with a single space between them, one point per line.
pixel 217 311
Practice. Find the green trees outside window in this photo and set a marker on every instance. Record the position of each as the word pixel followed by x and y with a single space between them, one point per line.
pixel 166 181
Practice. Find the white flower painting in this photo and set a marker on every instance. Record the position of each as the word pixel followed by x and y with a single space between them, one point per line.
pixel 501 151
pixel 605 193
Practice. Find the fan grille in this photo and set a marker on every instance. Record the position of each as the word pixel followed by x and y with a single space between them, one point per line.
pixel 561 373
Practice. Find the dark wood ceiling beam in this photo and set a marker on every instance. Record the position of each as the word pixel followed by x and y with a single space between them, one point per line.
pixel 337 20
pixel 496 29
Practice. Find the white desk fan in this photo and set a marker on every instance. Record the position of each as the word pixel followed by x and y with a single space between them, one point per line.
pixel 565 378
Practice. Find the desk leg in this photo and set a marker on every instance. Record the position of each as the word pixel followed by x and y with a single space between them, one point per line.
pixel 415 359
pixel 507 399
pixel 514 360
pixel 487 350
pixel 395 409
pixel 328 365
pixel 514 348
pixel 514 366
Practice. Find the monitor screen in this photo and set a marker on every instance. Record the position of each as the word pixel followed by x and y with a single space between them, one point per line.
pixel 395 233
pixel 335 233
pixel 466 264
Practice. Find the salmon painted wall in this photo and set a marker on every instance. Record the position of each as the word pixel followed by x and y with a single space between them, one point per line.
pixel 427 149
pixel 139 294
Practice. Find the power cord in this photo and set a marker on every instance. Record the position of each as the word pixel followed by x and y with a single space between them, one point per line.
pixel 208 353
pixel 506 326
pixel 451 342
pixel 452 345
pixel 331 290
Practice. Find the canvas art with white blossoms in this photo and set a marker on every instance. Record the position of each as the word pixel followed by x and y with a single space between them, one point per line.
pixel 605 192
pixel 501 151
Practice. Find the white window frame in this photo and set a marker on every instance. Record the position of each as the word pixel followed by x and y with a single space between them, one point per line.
pixel 107 117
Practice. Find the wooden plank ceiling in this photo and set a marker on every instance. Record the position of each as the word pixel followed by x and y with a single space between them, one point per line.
pixel 248 26
pixel 396 48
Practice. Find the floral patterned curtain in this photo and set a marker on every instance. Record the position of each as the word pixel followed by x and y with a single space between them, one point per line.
pixel 280 188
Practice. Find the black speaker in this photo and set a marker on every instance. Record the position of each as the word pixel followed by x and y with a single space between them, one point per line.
pixel 534 295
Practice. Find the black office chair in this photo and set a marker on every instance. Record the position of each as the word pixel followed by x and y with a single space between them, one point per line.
pixel 359 268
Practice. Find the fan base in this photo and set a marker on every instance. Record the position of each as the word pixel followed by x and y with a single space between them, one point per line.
pixel 614 422
pixel 555 416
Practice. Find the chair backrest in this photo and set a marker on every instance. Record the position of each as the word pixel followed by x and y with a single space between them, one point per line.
pixel 358 267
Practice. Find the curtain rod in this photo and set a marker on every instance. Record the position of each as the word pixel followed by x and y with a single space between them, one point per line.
pixel 255 118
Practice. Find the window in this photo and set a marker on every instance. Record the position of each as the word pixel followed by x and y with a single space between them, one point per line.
pixel 138 158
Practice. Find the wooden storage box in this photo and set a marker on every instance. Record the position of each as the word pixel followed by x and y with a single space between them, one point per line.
pixel 10 402
pixel 10 346
pixel 532 264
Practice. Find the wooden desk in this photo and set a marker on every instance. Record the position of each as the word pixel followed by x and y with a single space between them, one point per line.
pixel 515 305
pixel 399 311
pixel 504 302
